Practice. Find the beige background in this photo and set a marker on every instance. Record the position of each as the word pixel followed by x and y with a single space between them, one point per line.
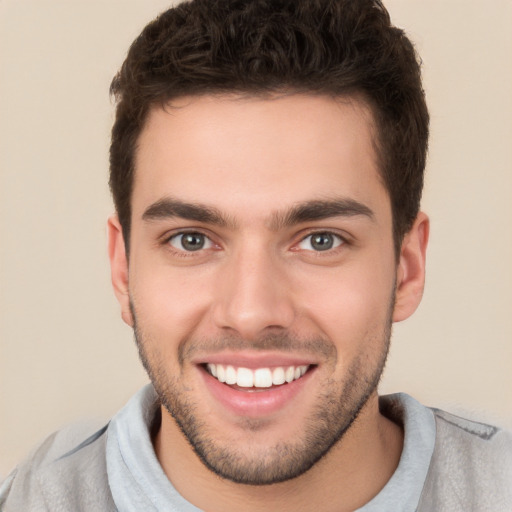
pixel 64 353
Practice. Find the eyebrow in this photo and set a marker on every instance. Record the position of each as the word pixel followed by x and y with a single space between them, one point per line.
pixel 314 210
pixel 168 208
pixel 306 211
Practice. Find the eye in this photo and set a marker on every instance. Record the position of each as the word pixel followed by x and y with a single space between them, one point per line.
pixel 323 241
pixel 190 242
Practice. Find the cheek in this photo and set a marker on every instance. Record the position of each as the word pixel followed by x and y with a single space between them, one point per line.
pixel 168 303
pixel 350 305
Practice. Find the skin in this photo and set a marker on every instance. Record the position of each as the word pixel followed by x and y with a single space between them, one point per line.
pixel 260 291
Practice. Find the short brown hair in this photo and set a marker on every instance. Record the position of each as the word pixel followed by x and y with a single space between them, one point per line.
pixel 332 47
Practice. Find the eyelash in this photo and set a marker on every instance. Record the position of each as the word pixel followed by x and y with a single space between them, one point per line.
pixel 183 252
pixel 340 241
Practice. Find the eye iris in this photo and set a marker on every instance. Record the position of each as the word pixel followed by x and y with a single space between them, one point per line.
pixel 322 241
pixel 192 241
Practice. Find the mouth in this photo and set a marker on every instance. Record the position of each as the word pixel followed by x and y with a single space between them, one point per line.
pixel 258 385
pixel 257 379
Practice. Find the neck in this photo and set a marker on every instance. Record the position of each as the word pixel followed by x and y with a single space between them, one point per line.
pixel 354 471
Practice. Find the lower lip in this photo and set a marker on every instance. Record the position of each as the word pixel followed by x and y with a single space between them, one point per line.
pixel 258 402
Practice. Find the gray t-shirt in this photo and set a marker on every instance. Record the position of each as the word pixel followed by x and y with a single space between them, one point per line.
pixel 447 464
pixel 138 482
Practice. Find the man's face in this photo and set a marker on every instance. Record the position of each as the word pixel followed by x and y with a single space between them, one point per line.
pixel 261 254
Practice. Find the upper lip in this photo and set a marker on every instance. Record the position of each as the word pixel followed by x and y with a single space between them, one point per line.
pixel 255 360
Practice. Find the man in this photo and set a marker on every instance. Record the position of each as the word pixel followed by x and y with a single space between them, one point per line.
pixel 267 165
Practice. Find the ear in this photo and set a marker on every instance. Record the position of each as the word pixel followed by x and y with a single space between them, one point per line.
pixel 119 267
pixel 411 269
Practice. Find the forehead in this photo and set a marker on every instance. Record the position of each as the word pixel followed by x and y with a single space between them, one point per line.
pixel 258 153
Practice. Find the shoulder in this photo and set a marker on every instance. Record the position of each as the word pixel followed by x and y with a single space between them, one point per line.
pixel 488 448
pixel 471 465
pixel 66 472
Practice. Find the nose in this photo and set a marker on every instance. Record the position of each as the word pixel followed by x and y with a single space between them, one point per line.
pixel 253 295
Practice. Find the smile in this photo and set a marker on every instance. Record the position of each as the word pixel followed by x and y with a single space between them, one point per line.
pixel 256 378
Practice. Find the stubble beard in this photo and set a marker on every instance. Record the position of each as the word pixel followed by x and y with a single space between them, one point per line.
pixel 338 406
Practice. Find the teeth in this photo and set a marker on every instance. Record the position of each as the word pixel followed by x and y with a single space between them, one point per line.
pixel 230 375
pixel 212 368
pixel 259 378
pixel 278 376
pixel 262 378
pixel 290 374
pixel 221 373
pixel 245 378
